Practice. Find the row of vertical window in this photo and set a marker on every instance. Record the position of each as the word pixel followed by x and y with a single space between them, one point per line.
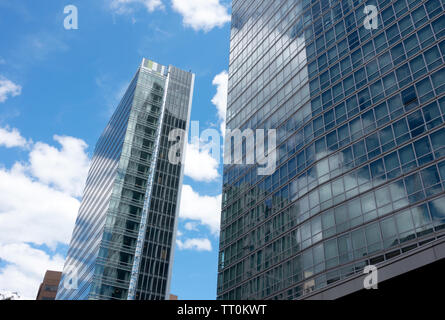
pixel 432 7
pixel 413 155
pixel 402 75
pixel 122 228
pixel 376 92
pixel 338 191
pixel 367 122
pixel 415 19
pixel 386 2
pixel 396 55
pixel 369 206
pixel 373 69
pixel 382 236
pixel 357 56
pixel 81 253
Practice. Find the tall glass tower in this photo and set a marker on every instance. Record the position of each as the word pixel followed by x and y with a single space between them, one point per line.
pixel 123 241
pixel 359 112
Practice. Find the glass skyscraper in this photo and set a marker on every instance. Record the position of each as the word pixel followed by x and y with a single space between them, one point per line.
pixel 359 114
pixel 123 241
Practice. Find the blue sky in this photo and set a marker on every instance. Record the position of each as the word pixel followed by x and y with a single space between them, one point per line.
pixel 58 89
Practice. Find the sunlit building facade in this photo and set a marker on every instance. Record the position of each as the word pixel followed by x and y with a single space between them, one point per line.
pixel 359 114
pixel 123 241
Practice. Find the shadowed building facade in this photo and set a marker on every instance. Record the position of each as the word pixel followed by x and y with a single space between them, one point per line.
pixel 123 240
pixel 48 288
pixel 359 115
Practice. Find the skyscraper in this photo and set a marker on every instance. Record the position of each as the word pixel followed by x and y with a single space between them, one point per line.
pixel 358 103
pixel 123 241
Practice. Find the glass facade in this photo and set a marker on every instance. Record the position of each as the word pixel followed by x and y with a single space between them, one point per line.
pixel 359 115
pixel 123 240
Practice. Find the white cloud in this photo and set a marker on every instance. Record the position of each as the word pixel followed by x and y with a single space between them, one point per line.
pixel 195 244
pixel 204 209
pixel 199 164
pixel 8 89
pixel 221 81
pixel 191 226
pixel 202 14
pixel 127 6
pixel 11 138
pixel 38 205
pixel 197 14
pixel 65 169
pixel 26 268
pixel 31 211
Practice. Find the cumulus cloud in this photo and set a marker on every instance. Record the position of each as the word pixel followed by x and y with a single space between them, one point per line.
pixel 221 81
pixel 191 226
pixel 11 138
pixel 26 268
pixel 202 14
pixel 39 198
pixel 127 6
pixel 197 14
pixel 38 207
pixel 203 209
pixel 195 244
pixel 8 89
pixel 31 211
pixel 65 169
pixel 199 164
